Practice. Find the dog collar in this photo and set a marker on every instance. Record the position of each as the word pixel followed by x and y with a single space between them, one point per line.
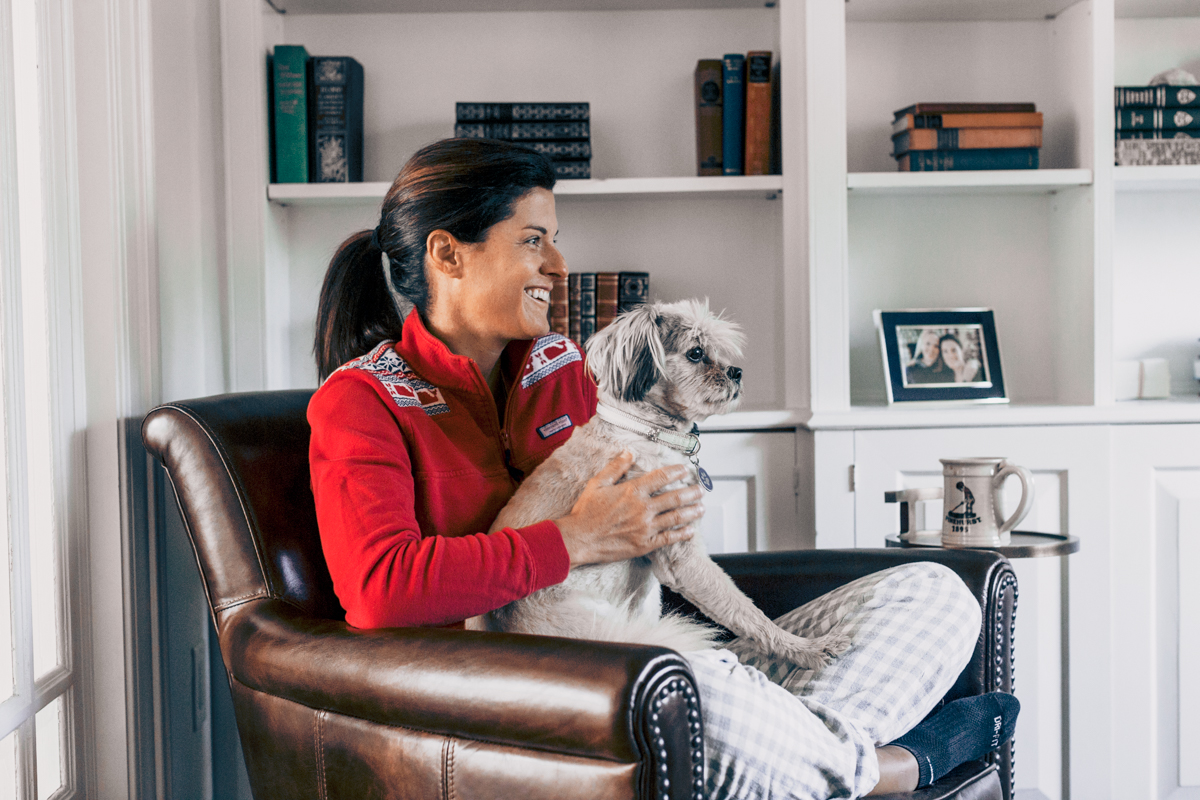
pixel 686 443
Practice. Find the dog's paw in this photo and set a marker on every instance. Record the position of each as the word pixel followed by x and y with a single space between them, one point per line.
pixel 834 644
pixel 813 653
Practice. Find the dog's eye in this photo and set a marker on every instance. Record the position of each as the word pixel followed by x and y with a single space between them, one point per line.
pixel 696 354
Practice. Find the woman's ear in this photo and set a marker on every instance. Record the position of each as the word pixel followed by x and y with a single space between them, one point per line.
pixel 444 253
pixel 627 357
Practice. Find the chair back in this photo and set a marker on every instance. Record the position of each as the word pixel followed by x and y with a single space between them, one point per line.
pixel 238 464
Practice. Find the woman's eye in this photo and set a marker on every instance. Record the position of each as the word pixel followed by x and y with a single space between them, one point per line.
pixel 696 354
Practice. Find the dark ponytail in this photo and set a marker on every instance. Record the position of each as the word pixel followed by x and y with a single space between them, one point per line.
pixel 464 186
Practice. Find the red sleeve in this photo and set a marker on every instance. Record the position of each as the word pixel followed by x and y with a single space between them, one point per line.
pixel 385 572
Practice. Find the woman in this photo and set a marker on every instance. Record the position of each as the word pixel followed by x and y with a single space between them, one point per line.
pixel 965 370
pixel 926 366
pixel 422 430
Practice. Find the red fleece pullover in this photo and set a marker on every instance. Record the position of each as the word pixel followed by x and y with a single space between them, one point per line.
pixel 411 463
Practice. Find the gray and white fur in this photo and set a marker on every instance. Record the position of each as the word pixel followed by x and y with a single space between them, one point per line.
pixel 669 364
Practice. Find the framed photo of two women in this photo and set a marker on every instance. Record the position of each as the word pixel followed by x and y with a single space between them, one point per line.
pixel 940 355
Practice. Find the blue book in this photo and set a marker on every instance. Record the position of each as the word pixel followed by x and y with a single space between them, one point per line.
pixel 336 115
pixel 987 158
pixel 733 115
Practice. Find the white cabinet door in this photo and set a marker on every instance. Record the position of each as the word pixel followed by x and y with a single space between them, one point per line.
pixel 1155 506
pixel 752 506
pixel 1062 601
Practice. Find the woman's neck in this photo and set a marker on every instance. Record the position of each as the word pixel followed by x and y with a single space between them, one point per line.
pixel 460 340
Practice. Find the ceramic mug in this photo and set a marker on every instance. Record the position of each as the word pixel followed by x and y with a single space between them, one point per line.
pixel 971 511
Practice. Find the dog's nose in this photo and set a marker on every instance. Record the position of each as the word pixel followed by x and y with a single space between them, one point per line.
pixel 734 373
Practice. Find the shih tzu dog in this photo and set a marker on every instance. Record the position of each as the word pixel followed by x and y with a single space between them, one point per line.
pixel 660 369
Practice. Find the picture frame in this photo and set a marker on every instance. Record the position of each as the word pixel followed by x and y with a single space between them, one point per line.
pixel 915 369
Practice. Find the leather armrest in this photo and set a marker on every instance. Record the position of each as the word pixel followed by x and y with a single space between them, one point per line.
pixel 562 695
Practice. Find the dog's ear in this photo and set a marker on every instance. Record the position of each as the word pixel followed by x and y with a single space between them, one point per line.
pixel 627 357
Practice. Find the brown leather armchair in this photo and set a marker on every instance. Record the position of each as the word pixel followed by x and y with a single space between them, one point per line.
pixel 326 710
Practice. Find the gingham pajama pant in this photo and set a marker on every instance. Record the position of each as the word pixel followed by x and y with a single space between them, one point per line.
pixel 772 730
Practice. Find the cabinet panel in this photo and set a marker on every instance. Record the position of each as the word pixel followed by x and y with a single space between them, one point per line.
pixel 1156 610
pixel 1061 740
pixel 753 503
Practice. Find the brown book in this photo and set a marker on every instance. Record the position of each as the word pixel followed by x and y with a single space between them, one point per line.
pixel 1028 119
pixel 964 139
pixel 709 80
pixel 559 308
pixel 758 113
pixel 607 294
pixel 963 108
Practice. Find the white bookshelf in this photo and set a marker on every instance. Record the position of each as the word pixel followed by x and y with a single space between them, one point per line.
pixel 1016 181
pixel 330 194
pixel 1183 178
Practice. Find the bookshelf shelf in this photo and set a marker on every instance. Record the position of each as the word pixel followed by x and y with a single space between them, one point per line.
pixel 1157 179
pixel 333 194
pixel 1041 181
pixel 294 7
pixel 953 10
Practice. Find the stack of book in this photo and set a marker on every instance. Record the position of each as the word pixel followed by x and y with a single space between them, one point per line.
pixel 559 131
pixel 737 115
pixel 587 302
pixel 1157 125
pixel 952 136
pixel 316 119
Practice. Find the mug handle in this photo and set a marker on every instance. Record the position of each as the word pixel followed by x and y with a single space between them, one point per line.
pixel 1026 493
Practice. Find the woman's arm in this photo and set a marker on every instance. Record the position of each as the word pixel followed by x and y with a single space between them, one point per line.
pixel 385 573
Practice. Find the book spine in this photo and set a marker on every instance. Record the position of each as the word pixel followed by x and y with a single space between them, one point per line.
pixel 1160 152
pixel 633 290
pixel 939 160
pixel 776 121
pixel 336 102
pixel 733 113
pixel 1158 97
pixel 562 150
pixel 607 290
pixel 1155 119
pixel 518 112
pixel 758 112
pixel 573 307
pixel 572 169
pixel 290 113
pixel 587 306
pixel 559 307
pixel 1006 120
pixel 518 131
pixel 708 98
pixel 965 139
pixel 1167 134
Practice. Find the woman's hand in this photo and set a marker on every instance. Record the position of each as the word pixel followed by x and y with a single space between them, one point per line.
pixel 614 521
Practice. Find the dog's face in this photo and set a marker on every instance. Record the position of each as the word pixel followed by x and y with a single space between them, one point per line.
pixel 676 357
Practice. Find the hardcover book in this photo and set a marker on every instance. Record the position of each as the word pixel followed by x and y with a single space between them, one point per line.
pixel 559 307
pixel 1162 134
pixel 963 108
pixel 587 306
pixel 1158 97
pixel 733 113
pixel 561 150
pixel 289 114
pixel 1145 119
pixel 1027 119
pixel 519 131
pixel 335 153
pixel 1158 152
pixel 607 288
pixel 520 112
pixel 633 290
pixel 708 96
pixel 965 139
pixel 939 160
pixel 572 169
pixel 573 307
pixel 758 113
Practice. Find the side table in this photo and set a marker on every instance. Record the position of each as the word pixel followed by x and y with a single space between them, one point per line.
pixel 1022 544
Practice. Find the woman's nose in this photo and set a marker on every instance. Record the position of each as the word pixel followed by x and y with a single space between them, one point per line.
pixel 734 373
pixel 555 264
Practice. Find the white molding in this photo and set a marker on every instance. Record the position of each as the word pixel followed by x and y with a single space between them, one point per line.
pixel 1013 181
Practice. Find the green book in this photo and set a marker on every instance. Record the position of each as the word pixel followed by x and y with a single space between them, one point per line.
pixel 289 114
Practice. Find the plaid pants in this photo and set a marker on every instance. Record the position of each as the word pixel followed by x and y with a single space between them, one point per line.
pixel 772 730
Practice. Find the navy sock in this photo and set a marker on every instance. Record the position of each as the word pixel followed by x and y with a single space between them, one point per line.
pixel 963 730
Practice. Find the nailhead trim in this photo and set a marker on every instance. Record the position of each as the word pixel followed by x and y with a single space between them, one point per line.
pixel 666 691
pixel 1008 582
